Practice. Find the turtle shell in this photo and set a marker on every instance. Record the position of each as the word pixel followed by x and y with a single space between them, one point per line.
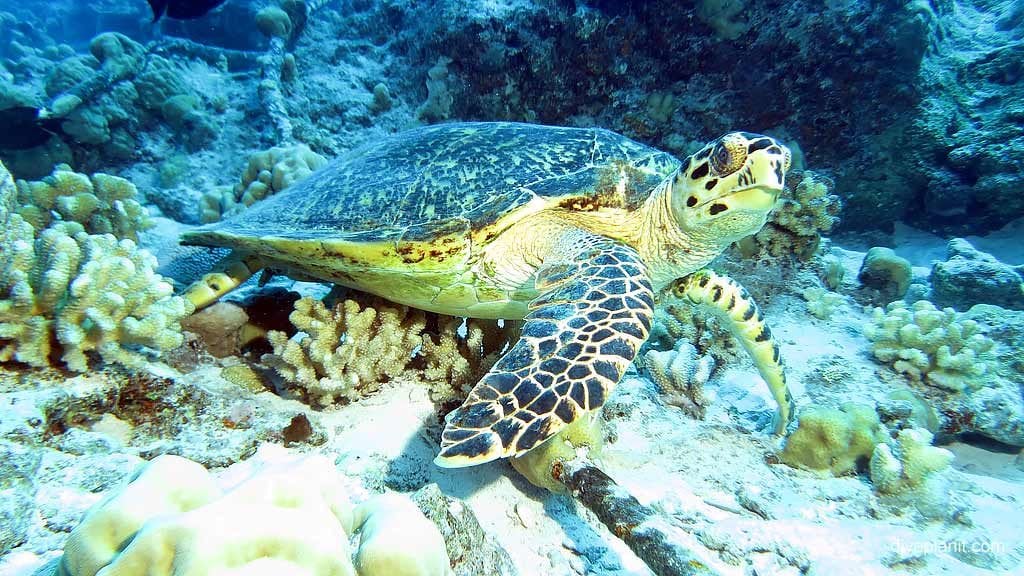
pixel 449 179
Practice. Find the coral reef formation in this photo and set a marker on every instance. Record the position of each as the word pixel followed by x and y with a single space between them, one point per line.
pixel 675 321
pixel 806 210
pixel 83 292
pixel 345 351
pixel 171 518
pixel 909 471
pixel 109 100
pixel 929 345
pixel 886 272
pixel 822 303
pixel 681 374
pixel 906 465
pixel 397 540
pixel 348 350
pixel 834 440
pixel 102 204
pixel 969 276
pixel 267 172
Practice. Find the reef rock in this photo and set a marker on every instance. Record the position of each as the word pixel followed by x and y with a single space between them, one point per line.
pixel 970 276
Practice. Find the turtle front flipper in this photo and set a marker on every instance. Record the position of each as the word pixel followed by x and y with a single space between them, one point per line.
pixel 227 275
pixel 582 332
pixel 747 323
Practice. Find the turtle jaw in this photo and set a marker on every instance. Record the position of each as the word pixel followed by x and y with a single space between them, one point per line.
pixel 754 198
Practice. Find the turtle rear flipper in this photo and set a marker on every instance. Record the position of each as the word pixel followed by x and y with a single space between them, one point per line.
pixel 582 332
pixel 228 274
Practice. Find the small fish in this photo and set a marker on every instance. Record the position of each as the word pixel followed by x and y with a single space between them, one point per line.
pixel 182 9
pixel 22 127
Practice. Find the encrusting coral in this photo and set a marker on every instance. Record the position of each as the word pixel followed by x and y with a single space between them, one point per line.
pixel 83 292
pixel 834 439
pixel 887 272
pixel 268 172
pixel 290 517
pixel 102 204
pixel 806 210
pixel 347 350
pixel 931 345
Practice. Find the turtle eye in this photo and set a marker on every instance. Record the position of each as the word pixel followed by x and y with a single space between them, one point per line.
pixel 727 156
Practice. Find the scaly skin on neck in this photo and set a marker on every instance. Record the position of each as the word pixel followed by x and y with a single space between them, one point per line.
pixel 668 251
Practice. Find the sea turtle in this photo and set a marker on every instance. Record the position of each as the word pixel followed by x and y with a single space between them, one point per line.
pixel 572 229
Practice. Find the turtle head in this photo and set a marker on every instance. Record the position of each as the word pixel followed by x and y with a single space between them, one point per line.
pixel 726 190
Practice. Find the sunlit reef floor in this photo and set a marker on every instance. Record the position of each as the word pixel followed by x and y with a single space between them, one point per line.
pixel 717 479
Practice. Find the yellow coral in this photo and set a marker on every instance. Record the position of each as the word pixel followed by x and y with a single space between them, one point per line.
pixel 806 210
pixel 102 204
pixel 931 345
pixel 268 172
pixel 85 292
pixel 834 440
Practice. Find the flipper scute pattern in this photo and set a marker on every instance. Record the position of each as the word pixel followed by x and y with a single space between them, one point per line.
pixel 582 332
pixel 746 321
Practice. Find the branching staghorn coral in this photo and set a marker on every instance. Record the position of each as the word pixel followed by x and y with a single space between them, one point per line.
pixel 92 291
pixel 806 210
pixel 348 350
pixel 83 292
pixel 681 374
pixel 102 204
pixel 268 172
pixel 931 345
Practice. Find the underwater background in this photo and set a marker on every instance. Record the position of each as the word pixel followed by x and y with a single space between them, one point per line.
pixel 291 427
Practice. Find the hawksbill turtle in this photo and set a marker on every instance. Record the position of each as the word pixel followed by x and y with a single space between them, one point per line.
pixel 572 229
